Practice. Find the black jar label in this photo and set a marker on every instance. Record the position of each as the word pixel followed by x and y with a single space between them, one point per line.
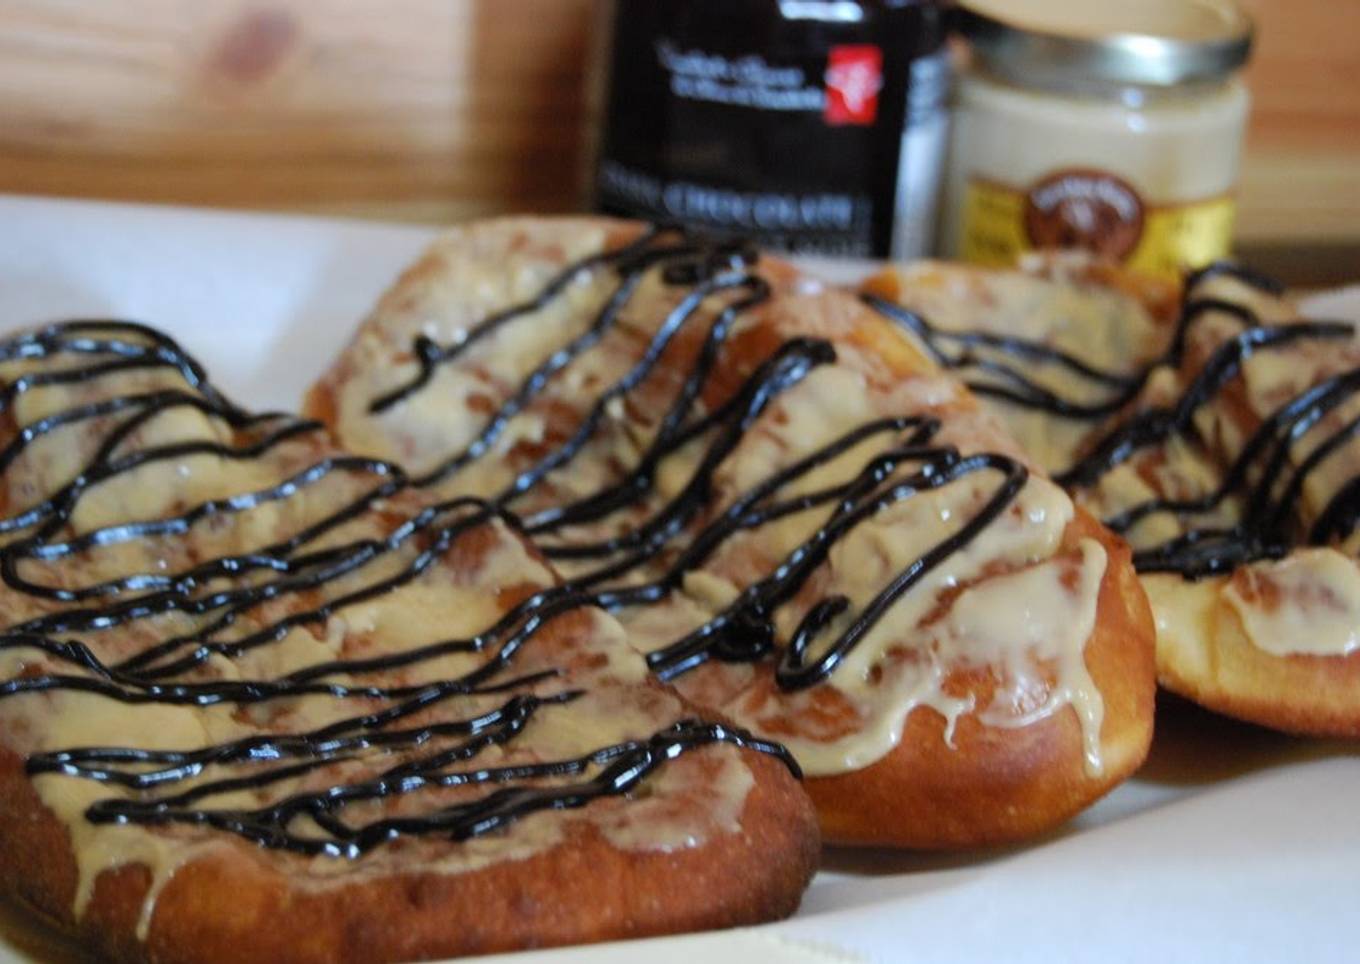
pixel 812 127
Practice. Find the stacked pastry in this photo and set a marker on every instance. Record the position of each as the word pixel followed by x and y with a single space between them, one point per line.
pixel 1217 433
pixel 803 522
pixel 261 699
pixel 612 526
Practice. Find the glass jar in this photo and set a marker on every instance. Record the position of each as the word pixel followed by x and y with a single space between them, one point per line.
pixel 1113 127
pixel 815 126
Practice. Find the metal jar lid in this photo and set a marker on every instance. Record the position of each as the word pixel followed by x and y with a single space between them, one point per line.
pixel 1157 43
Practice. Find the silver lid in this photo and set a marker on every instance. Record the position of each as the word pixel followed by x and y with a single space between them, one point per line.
pixel 1157 43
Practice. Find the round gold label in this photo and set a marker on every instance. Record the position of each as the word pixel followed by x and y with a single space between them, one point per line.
pixel 1084 208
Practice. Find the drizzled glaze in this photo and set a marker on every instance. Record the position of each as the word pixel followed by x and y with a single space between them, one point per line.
pixel 218 627
pixel 1165 453
pixel 717 499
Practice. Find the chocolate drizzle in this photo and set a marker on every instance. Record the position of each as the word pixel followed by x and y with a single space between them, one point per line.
pixel 744 631
pixel 213 610
pixel 621 769
pixel 404 736
pixel 958 351
pixel 1259 475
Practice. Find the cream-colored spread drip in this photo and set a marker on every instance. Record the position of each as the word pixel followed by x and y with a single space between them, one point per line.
pixel 1307 603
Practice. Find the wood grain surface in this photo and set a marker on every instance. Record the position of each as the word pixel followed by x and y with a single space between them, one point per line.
pixel 425 109
pixel 434 110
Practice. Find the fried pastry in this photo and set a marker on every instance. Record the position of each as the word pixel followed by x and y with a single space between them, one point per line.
pixel 801 520
pixel 1217 432
pixel 261 699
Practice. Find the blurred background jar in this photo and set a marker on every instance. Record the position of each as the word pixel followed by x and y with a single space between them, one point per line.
pixel 814 126
pixel 1105 125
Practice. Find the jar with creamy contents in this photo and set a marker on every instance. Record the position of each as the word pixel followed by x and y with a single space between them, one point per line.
pixel 1108 126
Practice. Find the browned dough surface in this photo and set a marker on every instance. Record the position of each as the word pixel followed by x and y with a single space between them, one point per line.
pixel 243 907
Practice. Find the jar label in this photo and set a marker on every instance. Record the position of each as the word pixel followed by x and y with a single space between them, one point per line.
pixel 1093 210
pixel 813 128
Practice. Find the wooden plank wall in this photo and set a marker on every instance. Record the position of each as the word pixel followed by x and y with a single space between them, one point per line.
pixel 434 110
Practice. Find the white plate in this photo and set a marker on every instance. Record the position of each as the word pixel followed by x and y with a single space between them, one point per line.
pixel 1233 844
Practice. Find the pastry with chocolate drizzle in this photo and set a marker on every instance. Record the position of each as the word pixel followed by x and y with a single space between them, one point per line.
pixel 1214 428
pixel 802 521
pixel 264 699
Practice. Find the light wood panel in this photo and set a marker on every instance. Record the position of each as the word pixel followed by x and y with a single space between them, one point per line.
pixel 1301 175
pixel 424 108
pixel 438 109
